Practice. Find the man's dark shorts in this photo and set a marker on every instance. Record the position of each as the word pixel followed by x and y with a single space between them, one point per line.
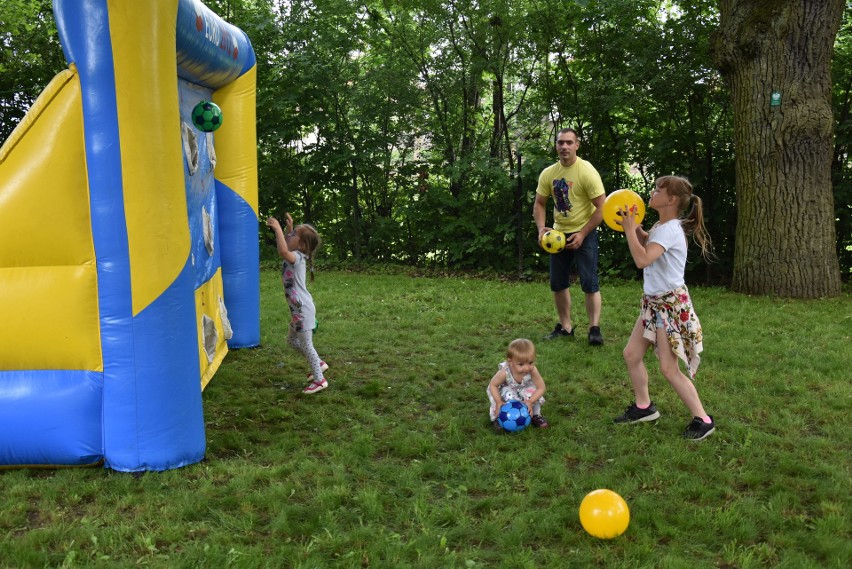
pixel 584 259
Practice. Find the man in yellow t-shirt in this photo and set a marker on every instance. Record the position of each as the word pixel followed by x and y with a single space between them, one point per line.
pixel 578 198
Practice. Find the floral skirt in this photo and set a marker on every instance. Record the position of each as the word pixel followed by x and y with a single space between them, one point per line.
pixel 681 325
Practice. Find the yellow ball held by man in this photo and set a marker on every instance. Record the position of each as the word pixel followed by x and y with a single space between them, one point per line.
pixel 604 514
pixel 553 241
pixel 622 199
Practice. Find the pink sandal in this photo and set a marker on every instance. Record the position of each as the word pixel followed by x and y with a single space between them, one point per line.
pixel 315 386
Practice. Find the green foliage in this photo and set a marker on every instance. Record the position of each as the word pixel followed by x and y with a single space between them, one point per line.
pixel 403 130
pixel 395 464
pixel 29 57
pixel 395 126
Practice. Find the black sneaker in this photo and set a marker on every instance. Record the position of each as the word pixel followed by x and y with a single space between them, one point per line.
pixel 595 336
pixel 698 430
pixel 559 332
pixel 634 414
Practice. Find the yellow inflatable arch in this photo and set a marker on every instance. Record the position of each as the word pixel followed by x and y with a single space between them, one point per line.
pixel 128 238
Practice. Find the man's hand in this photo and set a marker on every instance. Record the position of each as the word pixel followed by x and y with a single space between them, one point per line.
pixel 574 241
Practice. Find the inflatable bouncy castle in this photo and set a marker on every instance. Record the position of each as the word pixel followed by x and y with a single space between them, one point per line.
pixel 128 238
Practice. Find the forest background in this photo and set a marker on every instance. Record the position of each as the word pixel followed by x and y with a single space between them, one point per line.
pixel 414 131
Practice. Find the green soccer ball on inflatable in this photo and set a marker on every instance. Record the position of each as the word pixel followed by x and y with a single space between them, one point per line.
pixel 207 116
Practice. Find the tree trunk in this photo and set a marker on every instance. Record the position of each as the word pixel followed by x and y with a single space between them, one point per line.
pixel 356 213
pixel 776 56
pixel 520 219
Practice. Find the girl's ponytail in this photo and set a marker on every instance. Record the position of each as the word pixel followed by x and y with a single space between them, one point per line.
pixel 693 222
pixel 310 239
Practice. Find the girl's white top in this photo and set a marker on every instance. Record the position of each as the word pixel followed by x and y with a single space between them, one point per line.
pixel 666 273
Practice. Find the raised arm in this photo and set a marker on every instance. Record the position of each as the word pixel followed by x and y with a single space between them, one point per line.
pixel 642 252
pixel 280 241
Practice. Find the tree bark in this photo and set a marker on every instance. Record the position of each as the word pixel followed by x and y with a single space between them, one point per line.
pixel 521 220
pixel 766 49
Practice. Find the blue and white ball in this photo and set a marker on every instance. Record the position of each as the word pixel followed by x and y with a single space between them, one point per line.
pixel 514 416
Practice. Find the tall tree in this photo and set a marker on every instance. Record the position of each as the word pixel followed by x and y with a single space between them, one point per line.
pixel 776 56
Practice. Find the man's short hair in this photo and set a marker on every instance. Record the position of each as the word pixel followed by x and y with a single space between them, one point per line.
pixel 563 131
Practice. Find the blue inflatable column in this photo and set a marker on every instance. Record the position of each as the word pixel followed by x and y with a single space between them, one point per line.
pixel 152 412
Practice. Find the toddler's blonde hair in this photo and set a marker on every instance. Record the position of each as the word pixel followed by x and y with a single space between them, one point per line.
pixel 520 348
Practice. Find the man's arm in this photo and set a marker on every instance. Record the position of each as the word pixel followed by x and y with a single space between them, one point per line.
pixel 540 214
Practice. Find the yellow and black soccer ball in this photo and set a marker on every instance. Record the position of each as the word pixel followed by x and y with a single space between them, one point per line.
pixel 553 241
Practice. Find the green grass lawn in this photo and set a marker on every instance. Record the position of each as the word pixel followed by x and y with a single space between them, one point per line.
pixel 395 464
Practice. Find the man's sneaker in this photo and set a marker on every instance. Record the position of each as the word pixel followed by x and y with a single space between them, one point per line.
pixel 559 332
pixel 323 367
pixel 314 386
pixel 595 336
pixel 540 422
pixel 634 414
pixel 699 430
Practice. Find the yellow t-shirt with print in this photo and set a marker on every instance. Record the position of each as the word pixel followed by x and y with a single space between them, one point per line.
pixel 573 189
